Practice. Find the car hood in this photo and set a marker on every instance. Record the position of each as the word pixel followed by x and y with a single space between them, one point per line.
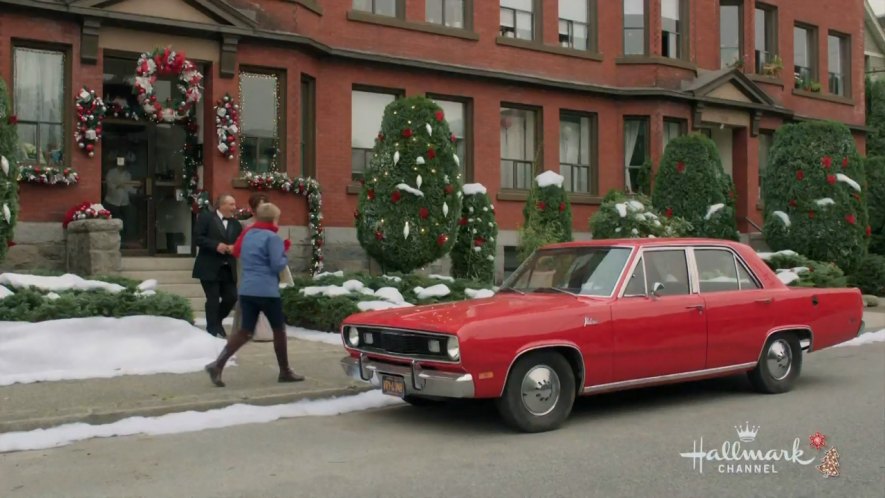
pixel 451 317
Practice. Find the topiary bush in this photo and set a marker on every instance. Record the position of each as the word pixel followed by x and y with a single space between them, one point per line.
pixel 8 172
pixel 691 184
pixel 31 305
pixel 548 204
pixel 623 216
pixel 870 275
pixel 876 118
pixel 810 273
pixel 813 194
pixel 473 256
pixel 536 235
pixel 875 171
pixel 410 202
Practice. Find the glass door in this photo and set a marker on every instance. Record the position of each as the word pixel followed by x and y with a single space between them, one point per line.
pixel 172 230
pixel 126 183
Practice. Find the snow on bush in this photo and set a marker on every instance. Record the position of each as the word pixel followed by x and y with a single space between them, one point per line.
pixel 798 271
pixel 632 216
pixel 65 282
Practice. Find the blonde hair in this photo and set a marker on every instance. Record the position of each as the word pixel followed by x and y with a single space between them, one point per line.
pixel 267 212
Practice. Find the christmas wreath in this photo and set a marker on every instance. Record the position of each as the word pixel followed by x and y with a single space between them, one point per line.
pixel 90 112
pixel 307 187
pixel 86 211
pixel 166 62
pixel 48 175
pixel 227 125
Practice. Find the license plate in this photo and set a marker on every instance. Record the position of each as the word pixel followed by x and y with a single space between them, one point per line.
pixel 393 385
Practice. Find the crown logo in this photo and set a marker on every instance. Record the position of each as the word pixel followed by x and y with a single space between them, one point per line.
pixel 747 433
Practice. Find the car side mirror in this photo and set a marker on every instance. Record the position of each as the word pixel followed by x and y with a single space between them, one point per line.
pixel 657 289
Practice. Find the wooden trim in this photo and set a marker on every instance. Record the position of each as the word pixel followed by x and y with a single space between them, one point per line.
pixel 67 113
pixel 400 23
pixel 584 199
pixel 824 96
pixel 89 46
pixel 468 130
pixel 280 73
pixel 657 59
pixel 550 49
pixel 594 151
pixel 512 195
pixel 311 5
pixel 227 67
pixel 769 80
pixel 308 125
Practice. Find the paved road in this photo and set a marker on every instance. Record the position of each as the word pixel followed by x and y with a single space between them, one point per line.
pixel 625 444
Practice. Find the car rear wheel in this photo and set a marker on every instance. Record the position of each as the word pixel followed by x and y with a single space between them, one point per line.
pixel 779 365
pixel 539 393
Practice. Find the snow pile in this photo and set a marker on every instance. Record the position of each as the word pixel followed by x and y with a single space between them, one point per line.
pixel 479 293
pixel 845 179
pixel 784 217
pixel 790 275
pixel 549 179
pixel 338 273
pixel 333 339
pixel 325 290
pixel 622 209
pixel 868 338
pixel 98 347
pixel 380 305
pixel 438 290
pixel 766 256
pixel 390 294
pixel 442 277
pixel 826 201
pixel 65 282
pixel 473 189
pixel 713 209
pixel 392 278
pixel 4 292
pixel 191 421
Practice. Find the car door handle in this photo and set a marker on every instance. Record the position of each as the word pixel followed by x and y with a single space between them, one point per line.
pixel 766 300
pixel 699 307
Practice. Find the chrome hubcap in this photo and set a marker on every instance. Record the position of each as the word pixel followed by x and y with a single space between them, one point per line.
pixel 779 359
pixel 540 390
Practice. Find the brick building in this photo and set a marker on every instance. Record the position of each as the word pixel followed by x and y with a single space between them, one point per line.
pixel 589 88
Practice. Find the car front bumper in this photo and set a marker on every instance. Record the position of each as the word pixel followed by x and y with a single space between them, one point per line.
pixel 418 381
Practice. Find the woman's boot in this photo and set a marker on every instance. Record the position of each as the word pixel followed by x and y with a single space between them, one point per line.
pixel 280 348
pixel 234 342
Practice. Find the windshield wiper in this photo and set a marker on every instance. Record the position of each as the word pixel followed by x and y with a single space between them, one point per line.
pixel 510 289
pixel 554 289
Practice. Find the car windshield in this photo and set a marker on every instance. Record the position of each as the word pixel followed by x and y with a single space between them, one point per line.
pixel 588 271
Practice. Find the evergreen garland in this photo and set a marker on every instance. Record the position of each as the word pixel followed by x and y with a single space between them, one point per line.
pixel 691 184
pixel 814 194
pixel 410 202
pixel 8 172
pixel 473 256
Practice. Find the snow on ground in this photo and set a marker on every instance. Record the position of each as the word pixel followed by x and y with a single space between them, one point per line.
pixel 201 321
pixel 868 338
pixel 192 421
pixel 99 347
pixel 332 338
pixel 65 282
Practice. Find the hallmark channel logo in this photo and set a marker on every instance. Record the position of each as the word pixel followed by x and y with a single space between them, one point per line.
pixel 733 458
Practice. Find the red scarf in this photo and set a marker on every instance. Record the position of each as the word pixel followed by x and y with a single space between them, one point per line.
pixel 261 225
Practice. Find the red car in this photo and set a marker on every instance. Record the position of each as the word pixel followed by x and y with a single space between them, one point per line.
pixel 583 318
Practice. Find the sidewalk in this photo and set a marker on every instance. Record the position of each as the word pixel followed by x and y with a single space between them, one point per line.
pixel 874 318
pixel 253 380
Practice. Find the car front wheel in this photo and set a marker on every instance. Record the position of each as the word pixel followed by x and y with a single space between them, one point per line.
pixel 779 365
pixel 539 393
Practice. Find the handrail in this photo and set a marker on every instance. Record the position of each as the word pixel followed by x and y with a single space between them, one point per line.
pixel 754 225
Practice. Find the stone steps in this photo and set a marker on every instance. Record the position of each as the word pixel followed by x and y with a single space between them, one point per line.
pixel 173 275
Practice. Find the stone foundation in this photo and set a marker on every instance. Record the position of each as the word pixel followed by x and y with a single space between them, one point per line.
pixel 93 247
pixel 39 246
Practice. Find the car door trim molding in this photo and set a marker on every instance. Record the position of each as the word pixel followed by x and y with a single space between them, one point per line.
pixel 634 383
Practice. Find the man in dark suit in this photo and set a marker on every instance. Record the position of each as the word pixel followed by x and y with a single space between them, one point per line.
pixel 215 234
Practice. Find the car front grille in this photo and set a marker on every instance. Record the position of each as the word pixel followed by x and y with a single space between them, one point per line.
pixel 398 342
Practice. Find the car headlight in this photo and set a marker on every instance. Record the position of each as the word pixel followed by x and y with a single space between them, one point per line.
pixel 453 348
pixel 353 336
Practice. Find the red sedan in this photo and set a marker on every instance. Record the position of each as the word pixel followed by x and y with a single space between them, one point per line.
pixel 583 318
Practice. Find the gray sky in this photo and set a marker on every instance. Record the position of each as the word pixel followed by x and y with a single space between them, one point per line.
pixel 878 6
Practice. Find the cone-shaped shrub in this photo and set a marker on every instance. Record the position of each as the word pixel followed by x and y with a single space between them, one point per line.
pixel 875 171
pixel 473 256
pixel 410 202
pixel 548 205
pixel 622 216
pixel 8 172
pixel 813 190
pixel 691 184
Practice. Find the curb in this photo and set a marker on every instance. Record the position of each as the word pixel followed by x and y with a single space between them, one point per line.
pixel 98 418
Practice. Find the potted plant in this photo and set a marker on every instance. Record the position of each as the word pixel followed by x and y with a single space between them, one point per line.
pixel 773 67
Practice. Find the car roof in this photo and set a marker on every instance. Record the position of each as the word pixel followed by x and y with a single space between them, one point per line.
pixel 646 242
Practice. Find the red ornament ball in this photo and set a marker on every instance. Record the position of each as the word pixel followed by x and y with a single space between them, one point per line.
pixel 831 179
pixel 449 189
pixel 793 203
pixel 379 236
pixel 811 214
pixel 90 148
pixel 442 239
pixel 370 194
pixel 845 162
pixel 431 153
pixel 395 196
pixel 669 212
pixel 561 207
pixel 479 241
pixel 407 132
pixel 800 175
pixel 869 231
pixel 826 162
pixel 424 213
pixel 851 219
pixel 540 206
pixel 380 137
pixel 453 138
pixel 680 167
pixel 462 221
pixel 439 115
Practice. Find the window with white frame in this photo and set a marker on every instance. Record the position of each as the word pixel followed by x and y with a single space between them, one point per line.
pixel 448 13
pixel 379 7
pixel 260 116
pixel 518 19
pixel 367 111
pixel 518 147
pixel 39 99
pixel 574 24
pixel 634 27
pixel 575 151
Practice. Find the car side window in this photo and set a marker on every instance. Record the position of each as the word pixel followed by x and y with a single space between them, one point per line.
pixel 716 270
pixel 668 268
pixel 747 282
pixel 636 284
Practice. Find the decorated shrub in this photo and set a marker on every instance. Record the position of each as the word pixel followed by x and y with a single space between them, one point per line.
pixel 875 171
pixel 473 256
pixel 691 184
pixel 876 118
pixel 30 305
pixel 410 202
pixel 535 235
pixel 623 216
pixel 548 205
pixel 813 194
pixel 870 275
pixel 8 172
pixel 799 271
